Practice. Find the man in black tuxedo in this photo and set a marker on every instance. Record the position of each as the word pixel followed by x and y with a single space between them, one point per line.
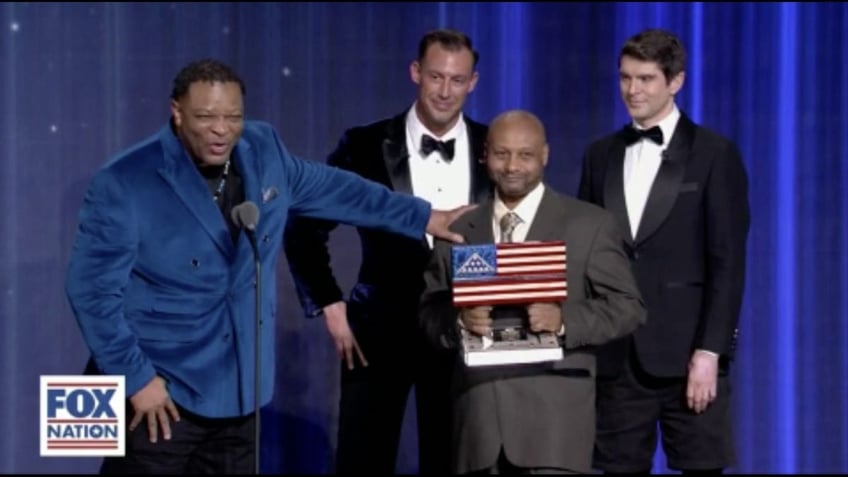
pixel 682 192
pixel 434 152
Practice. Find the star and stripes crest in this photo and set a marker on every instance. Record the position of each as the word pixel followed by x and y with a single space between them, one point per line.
pixel 509 273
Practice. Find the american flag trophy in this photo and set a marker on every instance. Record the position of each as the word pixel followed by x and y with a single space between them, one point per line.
pixel 508 277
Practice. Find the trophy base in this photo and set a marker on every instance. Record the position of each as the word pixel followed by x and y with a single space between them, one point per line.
pixel 510 346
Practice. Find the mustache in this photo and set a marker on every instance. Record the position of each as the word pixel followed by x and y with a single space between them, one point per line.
pixel 512 175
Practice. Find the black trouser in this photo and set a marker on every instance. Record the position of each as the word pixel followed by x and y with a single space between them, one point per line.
pixel 198 445
pixel 373 402
pixel 632 404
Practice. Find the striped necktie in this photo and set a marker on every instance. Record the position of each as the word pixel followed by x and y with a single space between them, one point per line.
pixel 508 223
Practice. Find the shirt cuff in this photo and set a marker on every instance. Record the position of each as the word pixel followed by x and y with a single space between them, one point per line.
pixel 711 353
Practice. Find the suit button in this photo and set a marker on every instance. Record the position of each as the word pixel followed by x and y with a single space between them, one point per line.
pixel 227 337
pixel 635 256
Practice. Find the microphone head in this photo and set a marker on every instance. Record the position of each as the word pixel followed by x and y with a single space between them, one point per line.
pixel 245 215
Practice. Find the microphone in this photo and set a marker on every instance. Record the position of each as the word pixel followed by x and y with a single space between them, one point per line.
pixel 246 216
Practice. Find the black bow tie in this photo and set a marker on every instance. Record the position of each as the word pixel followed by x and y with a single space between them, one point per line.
pixel 633 135
pixel 430 144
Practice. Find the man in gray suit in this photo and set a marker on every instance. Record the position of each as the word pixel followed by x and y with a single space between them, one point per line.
pixel 533 417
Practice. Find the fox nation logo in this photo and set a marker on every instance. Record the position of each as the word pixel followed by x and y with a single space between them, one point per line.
pixel 83 416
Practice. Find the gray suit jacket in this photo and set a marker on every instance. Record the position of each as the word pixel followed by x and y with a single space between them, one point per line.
pixel 543 415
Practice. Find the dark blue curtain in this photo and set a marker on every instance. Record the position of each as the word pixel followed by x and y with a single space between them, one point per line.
pixel 79 82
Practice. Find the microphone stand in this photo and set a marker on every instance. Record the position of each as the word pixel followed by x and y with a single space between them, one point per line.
pixel 258 357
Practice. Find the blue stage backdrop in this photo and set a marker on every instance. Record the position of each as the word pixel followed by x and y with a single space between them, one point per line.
pixel 79 82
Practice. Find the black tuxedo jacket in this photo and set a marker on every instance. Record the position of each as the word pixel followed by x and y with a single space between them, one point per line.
pixel 688 255
pixel 390 276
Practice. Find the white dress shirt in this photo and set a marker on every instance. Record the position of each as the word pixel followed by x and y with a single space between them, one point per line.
pixel 445 184
pixel 641 162
pixel 526 211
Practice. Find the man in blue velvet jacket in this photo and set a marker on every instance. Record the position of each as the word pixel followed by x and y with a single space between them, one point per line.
pixel 162 281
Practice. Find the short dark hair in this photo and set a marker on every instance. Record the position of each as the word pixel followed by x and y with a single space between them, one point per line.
pixel 451 40
pixel 208 70
pixel 659 46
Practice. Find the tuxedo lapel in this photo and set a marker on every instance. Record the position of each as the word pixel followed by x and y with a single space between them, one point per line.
pixel 667 183
pixel 182 176
pixel 614 184
pixel 249 167
pixel 481 187
pixel 396 156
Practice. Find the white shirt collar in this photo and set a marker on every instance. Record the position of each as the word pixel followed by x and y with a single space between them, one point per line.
pixel 415 129
pixel 667 124
pixel 526 209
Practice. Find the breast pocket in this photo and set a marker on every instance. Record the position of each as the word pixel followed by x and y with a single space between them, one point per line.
pixel 688 187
